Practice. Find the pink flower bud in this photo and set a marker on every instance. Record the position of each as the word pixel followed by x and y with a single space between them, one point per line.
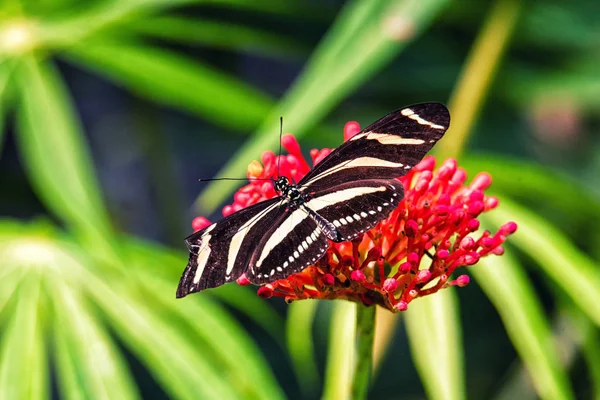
pixel 459 177
pixel 482 181
pixel 413 258
pixel 467 243
pixel 447 169
pixel 350 129
pixel 227 210
pixel 462 280
pixel 471 258
pixel 473 225
pixel 390 285
pixel 358 276
pixel 423 275
pixel 442 254
pixel 405 267
pixel 242 280
pixel 508 229
pixel 426 164
pixel 290 143
pixel 498 251
pixel 491 203
pixel 411 227
pixel 328 279
pixel 268 157
pixel 401 306
pixel 475 208
pixel 199 223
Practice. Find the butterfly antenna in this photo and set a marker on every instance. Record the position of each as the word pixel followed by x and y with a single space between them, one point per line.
pixel 280 136
pixel 233 179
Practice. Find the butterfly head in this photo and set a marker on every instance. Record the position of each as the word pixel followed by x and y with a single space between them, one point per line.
pixel 282 184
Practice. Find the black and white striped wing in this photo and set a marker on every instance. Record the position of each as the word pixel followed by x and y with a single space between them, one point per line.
pixel 220 252
pixel 355 207
pixel 293 243
pixel 297 240
pixel 386 149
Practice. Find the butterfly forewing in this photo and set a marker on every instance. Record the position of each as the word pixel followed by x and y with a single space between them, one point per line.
pixel 219 253
pixel 388 148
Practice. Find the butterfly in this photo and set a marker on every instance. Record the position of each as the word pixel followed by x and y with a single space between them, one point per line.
pixel 342 197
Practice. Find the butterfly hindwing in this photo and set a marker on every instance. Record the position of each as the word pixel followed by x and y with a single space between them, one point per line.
pixel 291 245
pixel 388 148
pixel 219 253
pixel 355 207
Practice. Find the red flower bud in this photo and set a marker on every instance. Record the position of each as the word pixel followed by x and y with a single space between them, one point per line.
pixel 358 276
pixel 199 223
pixel 350 129
pixel 266 292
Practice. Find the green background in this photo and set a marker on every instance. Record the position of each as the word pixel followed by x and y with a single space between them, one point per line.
pixel 111 110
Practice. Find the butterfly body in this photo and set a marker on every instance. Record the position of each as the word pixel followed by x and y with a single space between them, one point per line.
pixel 342 197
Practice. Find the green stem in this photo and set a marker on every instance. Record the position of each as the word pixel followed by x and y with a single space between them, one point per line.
pixel 365 333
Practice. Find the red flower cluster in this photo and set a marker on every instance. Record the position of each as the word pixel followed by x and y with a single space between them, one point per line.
pixel 411 254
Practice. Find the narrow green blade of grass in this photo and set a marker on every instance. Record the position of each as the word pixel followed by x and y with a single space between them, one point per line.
pixel 89 363
pixel 239 357
pixel 555 254
pixel 153 340
pixel 74 27
pixel 340 356
pixel 171 79
pixel 219 34
pixel 55 154
pixel 23 362
pixel 10 277
pixel 345 59
pixel 300 345
pixel 525 179
pixel 169 265
pixel 435 338
pixel 511 292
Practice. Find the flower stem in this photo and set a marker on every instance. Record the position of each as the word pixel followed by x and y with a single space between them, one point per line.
pixel 365 333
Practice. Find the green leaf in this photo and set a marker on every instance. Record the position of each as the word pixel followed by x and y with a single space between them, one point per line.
pixel 75 26
pixel 154 339
pixel 299 322
pixel 555 254
pixel 217 331
pixel 55 154
pixel 23 364
pixel 340 356
pixel 219 34
pixel 169 264
pixel 171 79
pixel 365 37
pixel 523 179
pixel 435 337
pixel 508 288
pixel 89 363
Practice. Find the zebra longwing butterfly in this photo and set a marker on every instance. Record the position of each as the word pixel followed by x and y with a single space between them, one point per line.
pixel 343 196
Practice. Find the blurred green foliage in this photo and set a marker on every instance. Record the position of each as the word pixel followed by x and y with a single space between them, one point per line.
pixel 89 311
